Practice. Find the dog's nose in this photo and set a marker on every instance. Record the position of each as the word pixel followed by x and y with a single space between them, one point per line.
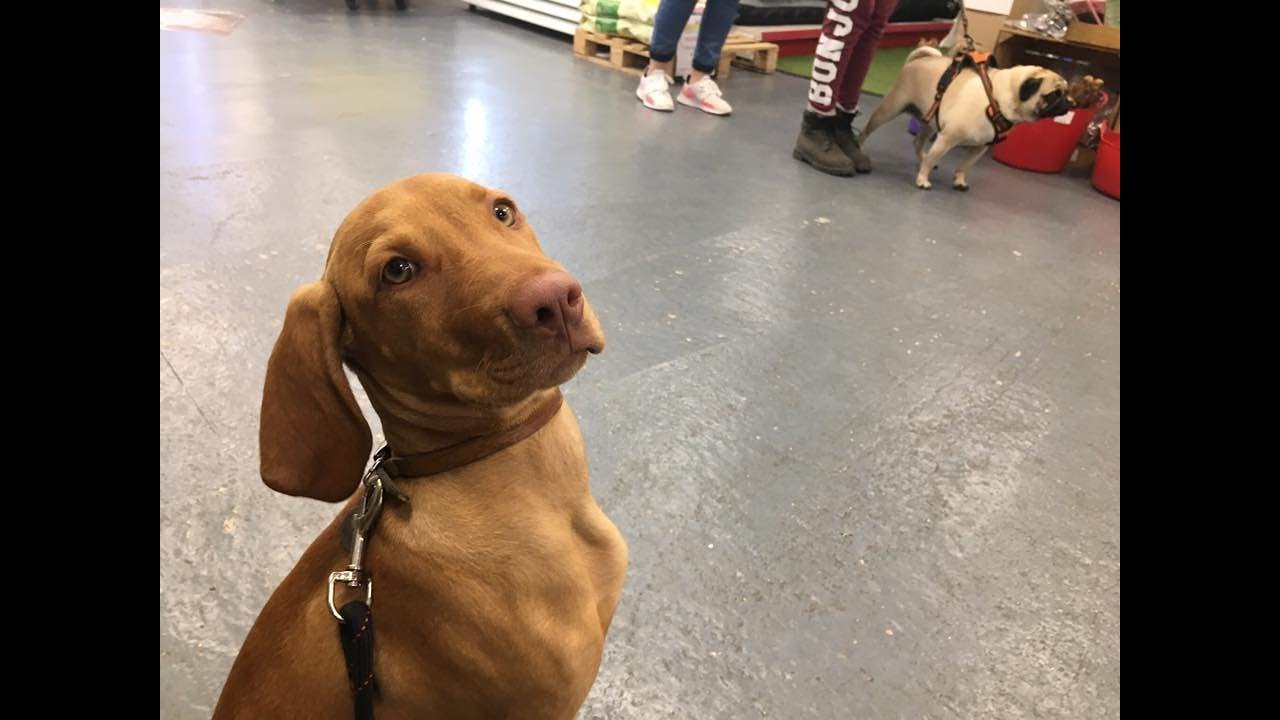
pixel 551 301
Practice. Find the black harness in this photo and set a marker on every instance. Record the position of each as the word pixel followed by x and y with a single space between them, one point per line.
pixel 978 62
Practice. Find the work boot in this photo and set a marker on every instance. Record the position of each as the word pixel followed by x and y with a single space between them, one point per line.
pixel 848 142
pixel 817 145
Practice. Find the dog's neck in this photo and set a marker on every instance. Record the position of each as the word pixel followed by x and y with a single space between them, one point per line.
pixel 1006 97
pixel 415 422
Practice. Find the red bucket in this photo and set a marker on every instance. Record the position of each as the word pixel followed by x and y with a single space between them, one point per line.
pixel 1106 169
pixel 1046 145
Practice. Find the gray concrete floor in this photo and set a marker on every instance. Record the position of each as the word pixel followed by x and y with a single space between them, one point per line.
pixel 863 440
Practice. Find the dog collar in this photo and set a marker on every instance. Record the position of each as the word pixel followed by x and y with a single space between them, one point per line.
pixel 380 481
pixel 467 451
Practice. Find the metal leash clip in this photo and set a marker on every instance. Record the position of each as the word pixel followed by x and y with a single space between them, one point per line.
pixel 362 522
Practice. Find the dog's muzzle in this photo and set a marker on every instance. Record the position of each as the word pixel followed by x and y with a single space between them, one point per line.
pixel 1055 104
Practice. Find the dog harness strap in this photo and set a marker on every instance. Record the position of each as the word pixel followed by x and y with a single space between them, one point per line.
pixel 469 451
pixel 979 62
pixel 356 632
pixel 944 82
pixel 1001 124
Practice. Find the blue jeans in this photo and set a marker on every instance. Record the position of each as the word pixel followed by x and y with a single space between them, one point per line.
pixel 673 15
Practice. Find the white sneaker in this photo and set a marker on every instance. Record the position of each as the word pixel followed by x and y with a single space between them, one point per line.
pixel 654 93
pixel 704 95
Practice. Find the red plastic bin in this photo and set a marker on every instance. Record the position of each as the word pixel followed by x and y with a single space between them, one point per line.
pixel 1045 145
pixel 1106 169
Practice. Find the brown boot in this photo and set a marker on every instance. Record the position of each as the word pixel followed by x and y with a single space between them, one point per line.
pixel 817 146
pixel 848 142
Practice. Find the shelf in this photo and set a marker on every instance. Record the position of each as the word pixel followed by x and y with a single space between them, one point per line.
pixel 562 16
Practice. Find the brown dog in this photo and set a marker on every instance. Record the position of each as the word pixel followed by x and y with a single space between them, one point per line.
pixel 496 582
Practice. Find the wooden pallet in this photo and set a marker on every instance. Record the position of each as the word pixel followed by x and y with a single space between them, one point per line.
pixel 619 53
pixel 631 57
pixel 748 53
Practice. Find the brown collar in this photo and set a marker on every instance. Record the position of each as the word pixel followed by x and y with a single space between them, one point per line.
pixel 469 450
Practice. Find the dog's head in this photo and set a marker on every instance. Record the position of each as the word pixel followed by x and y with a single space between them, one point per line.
pixel 434 287
pixel 1042 94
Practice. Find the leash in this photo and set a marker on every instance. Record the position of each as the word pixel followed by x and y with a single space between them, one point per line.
pixel 356 631
pixel 969 45
pixel 355 618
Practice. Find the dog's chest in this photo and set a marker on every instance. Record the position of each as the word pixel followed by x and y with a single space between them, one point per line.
pixel 503 610
pixel 508 574
pixel 963 112
pixel 518 639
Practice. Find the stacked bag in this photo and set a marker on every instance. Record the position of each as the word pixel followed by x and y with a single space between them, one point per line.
pixel 628 18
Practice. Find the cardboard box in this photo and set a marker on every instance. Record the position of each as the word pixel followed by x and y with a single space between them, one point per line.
pixel 1095 35
pixel 985 29
pixel 1082 159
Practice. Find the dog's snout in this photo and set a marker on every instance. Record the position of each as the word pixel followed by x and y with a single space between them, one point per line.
pixel 1056 103
pixel 551 301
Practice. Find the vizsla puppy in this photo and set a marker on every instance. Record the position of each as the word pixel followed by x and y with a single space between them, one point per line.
pixel 496 582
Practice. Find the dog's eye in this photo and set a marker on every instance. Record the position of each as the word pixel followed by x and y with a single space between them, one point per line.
pixel 505 214
pixel 398 271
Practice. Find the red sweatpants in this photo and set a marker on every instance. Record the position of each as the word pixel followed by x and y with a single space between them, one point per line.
pixel 851 33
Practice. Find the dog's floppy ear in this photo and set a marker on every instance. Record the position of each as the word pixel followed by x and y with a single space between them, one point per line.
pixel 1029 88
pixel 313 438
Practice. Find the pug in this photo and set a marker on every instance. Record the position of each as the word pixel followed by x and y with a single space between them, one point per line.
pixel 1024 93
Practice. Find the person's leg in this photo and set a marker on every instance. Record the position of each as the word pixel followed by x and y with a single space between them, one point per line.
pixel 850 37
pixel 868 28
pixel 818 143
pixel 717 20
pixel 701 91
pixel 668 24
pixel 842 30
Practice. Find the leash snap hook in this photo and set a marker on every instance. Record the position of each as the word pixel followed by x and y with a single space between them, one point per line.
pixel 353 578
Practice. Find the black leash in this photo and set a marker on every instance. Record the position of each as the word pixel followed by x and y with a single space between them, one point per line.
pixel 969 44
pixel 356 631
pixel 355 619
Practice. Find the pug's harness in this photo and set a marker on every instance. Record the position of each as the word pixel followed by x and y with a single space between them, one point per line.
pixel 978 62
pixel 355 621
